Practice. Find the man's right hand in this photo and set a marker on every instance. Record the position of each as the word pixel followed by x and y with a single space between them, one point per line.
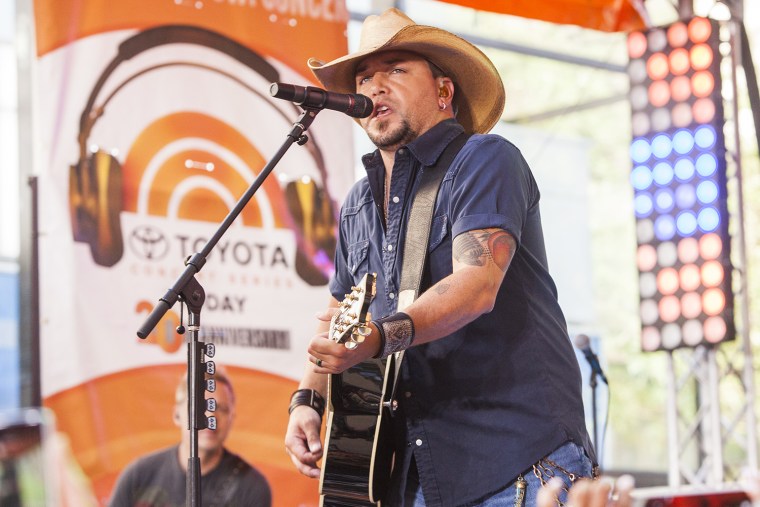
pixel 302 440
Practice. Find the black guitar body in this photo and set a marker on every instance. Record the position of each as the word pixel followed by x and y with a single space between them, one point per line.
pixel 359 445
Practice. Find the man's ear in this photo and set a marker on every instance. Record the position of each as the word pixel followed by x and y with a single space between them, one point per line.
pixel 445 87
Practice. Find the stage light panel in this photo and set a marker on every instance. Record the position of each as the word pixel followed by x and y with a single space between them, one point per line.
pixel 684 169
pixel 708 220
pixel 702 29
pixel 701 57
pixel 664 200
pixel 678 178
pixel 644 231
pixel 688 251
pixel 680 88
pixel 685 196
pixel 703 111
pixel 637 45
pixel 667 254
pixel 682 116
pixel 678 35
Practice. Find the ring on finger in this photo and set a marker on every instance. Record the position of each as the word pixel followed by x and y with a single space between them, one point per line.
pixel 318 362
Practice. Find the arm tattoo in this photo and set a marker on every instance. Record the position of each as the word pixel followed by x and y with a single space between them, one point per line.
pixel 468 249
pixel 475 248
pixel 442 288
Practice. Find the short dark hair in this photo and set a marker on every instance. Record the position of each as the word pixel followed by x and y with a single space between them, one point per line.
pixel 435 69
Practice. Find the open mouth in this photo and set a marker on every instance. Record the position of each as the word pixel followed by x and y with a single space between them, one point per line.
pixel 381 110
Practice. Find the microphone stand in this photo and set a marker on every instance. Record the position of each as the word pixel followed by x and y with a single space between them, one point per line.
pixel 190 291
pixel 593 383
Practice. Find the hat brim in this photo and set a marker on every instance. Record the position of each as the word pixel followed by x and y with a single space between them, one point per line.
pixel 479 92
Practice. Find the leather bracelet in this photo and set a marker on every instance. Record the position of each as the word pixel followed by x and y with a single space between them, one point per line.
pixel 310 398
pixel 396 334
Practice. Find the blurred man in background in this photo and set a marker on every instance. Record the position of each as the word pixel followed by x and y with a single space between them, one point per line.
pixel 159 479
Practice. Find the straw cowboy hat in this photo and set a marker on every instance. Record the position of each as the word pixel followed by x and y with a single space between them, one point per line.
pixel 479 93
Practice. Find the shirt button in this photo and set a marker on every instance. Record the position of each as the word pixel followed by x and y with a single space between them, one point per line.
pixel 418 442
pixel 396 199
pixel 408 394
pixel 390 248
pixel 401 151
pixel 392 295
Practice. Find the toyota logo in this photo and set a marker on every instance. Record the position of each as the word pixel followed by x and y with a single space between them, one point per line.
pixel 149 243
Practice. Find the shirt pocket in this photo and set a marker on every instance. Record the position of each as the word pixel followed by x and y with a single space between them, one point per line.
pixel 357 257
pixel 357 231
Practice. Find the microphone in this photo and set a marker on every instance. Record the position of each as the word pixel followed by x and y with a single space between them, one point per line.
pixel 353 104
pixel 582 343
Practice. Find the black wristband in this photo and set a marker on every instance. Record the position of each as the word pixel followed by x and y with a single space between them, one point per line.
pixel 381 332
pixel 396 333
pixel 308 397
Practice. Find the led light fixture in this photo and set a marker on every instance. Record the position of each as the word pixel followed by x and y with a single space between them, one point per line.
pixel 679 182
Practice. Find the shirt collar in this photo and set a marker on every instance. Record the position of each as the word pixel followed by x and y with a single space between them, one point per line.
pixel 427 148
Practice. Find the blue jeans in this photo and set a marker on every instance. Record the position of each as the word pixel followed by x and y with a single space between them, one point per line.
pixel 569 456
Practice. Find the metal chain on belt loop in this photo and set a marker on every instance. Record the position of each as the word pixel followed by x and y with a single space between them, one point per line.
pixel 545 469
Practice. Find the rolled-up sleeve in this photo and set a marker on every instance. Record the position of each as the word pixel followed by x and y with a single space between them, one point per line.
pixel 492 187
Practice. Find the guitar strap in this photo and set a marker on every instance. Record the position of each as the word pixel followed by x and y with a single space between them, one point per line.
pixel 418 234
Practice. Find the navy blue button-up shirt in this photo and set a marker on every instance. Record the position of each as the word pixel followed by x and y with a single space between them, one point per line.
pixel 479 406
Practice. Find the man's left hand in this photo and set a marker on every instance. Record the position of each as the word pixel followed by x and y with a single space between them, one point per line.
pixel 328 356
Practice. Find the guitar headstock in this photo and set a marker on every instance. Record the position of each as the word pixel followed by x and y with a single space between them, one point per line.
pixel 349 325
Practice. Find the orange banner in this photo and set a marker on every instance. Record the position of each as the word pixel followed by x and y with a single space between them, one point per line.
pixel 604 15
pixel 288 30
pixel 155 118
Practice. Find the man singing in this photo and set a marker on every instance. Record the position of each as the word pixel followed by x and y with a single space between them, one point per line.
pixel 489 390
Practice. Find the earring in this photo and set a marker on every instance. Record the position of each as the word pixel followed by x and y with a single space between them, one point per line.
pixel 442 105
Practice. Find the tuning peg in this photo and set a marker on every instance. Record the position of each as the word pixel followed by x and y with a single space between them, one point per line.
pixel 363 330
pixel 356 337
pixel 350 345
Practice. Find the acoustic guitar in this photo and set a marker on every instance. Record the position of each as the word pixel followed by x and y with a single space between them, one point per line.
pixel 358 459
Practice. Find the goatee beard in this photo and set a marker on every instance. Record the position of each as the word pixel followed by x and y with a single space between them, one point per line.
pixel 398 137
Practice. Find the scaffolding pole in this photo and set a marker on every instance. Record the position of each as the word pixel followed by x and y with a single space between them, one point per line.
pixel 706 427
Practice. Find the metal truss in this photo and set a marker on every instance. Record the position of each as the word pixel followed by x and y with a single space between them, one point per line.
pixel 711 420
pixel 711 393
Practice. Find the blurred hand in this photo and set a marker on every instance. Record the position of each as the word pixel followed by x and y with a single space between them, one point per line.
pixel 603 492
pixel 750 481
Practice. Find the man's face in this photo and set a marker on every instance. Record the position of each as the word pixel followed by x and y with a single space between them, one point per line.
pixel 211 440
pixel 405 94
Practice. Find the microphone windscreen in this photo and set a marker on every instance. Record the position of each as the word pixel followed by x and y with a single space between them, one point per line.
pixel 363 108
pixel 581 341
pixel 282 91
